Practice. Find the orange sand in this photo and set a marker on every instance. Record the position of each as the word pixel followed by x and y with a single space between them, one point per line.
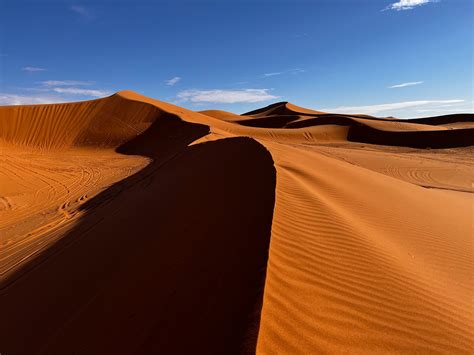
pixel 133 226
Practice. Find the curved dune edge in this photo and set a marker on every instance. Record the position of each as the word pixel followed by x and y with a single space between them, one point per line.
pixel 122 268
pixel 370 245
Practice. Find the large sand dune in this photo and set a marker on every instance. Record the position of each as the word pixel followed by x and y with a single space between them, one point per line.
pixel 133 226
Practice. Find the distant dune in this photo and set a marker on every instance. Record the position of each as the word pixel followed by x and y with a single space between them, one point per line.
pixel 133 226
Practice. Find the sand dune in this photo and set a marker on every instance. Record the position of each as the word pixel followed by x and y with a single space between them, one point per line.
pixel 133 226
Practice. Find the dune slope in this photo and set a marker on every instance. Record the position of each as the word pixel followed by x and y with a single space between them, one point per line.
pixel 130 225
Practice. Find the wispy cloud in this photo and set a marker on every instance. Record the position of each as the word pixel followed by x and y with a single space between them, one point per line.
pixel 173 81
pixel 402 85
pixel 442 110
pixel 32 69
pixel 300 35
pixel 79 91
pixel 52 91
pixel 13 99
pixel 289 71
pixel 407 4
pixel 380 108
pixel 273 74
pixel 226 96
pixel 65 83
pixel 296 71
pixel 83 11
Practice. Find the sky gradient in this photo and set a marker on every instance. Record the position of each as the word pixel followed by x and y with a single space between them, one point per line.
pixel 408 58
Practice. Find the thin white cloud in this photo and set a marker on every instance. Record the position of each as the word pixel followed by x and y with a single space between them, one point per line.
pixel 375 109
pixel 442 110
pixel 407 4
pixel 173 81
pixel 297 71
pixel 300 35
pixel 32 69
pixel 52 91
pixel 273 74
pixel 13 99
pixel 402 85
pixel 83 11
pixel 226 96
pixel 290 71
pixel 79 91
pixel 50 83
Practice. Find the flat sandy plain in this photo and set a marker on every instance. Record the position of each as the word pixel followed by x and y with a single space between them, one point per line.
pixel 132 226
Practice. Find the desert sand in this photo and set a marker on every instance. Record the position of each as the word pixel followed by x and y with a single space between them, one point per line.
pixel 133 226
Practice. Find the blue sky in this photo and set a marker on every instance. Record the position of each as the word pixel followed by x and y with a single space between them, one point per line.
pixel 405 58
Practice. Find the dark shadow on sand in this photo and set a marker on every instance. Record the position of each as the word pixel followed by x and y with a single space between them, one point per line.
pixel 452 138
pixel 171 260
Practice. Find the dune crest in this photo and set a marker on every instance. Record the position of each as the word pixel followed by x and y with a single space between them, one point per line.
pixel 128 224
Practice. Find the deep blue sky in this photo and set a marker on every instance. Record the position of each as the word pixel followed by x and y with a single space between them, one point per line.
pixel 339 55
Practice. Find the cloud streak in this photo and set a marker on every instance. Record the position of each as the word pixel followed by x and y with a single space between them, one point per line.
pixel 13 99
pixel 378 108
pixel 403 85
pixel 32 69
pixel 65 83
pixel 407 4
pixel 290 71
pixel 49 88
pixel 83 11
pixel 173 81
pixel 272 74
pixel 79 91
pixel 52 91
pixel 226 96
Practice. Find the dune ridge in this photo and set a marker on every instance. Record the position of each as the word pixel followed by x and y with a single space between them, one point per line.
pixel 136 224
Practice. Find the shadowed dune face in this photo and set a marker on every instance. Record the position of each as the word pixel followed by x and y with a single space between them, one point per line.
pixel 169 260
pixel 432 132
pixel 416 139
pixel 133 226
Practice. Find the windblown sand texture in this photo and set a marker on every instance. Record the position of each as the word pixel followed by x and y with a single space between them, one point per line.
pixel 133 226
